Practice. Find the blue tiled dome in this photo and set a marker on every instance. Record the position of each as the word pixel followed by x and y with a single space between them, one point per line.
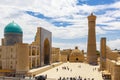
pixel 13 28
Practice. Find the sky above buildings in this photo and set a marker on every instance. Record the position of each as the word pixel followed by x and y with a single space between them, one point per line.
pixel 66 19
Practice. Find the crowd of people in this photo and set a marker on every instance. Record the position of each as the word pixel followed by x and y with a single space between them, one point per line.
pixel 67 72
pixel 74 78
pixel 65 68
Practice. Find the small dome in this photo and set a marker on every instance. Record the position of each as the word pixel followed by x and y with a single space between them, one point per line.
pixel 76 51
pixel 13 28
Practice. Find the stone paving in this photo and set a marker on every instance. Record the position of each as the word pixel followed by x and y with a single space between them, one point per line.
pixel 75 69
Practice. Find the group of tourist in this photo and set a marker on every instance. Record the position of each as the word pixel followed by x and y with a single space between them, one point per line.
pixel 65 68
pixel 74 78
pixel 96 69
pixel 68 68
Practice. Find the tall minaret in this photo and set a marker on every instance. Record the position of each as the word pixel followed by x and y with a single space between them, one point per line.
pixel 91 47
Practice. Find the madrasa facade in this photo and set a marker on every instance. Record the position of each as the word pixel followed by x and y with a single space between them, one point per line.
pixel 17 57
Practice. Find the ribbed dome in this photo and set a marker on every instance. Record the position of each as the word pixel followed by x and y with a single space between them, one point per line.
pixel 76 51
pixel 13 28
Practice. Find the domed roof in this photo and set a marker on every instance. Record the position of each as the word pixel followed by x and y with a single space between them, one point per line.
pixel 13 28
pixel 108 50
pixel 76 51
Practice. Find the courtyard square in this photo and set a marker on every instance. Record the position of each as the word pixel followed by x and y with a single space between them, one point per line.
pixel 73 70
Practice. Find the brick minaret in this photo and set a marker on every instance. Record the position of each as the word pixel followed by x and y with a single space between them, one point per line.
pixel 91 47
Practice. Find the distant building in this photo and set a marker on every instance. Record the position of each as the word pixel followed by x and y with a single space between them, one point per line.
pixel 72 55
pixel 76 55
pixel 16 57
pixel 65 55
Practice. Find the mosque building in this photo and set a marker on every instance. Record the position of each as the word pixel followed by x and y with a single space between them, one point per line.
pixel 16 57
pixel 76 55
pixel 72 55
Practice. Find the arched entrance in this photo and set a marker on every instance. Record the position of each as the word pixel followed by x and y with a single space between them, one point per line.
pixel 76 59
pixel 68 57
pixel 46 52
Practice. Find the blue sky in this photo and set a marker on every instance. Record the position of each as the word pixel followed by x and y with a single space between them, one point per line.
pixel 66 19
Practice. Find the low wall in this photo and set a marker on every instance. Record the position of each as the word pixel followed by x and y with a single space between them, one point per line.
pixel 34 72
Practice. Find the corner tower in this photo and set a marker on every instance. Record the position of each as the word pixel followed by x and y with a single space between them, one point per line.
pixel 91 46
pixel 12 34
pixel 103 53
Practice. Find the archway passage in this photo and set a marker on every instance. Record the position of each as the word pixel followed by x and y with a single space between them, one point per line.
pixel 68 57
pixel 76 59
pixel 46 52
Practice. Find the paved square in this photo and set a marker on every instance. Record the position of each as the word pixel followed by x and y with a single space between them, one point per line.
pixel 74 70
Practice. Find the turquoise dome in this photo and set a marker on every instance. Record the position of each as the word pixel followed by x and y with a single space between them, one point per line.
pixel 13 28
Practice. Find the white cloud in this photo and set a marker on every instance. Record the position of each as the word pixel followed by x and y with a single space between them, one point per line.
pixel 115 5
pixel 59 10
pixel 103 19
pixel 24 5
pixel 99 31
pixel 56 8
pixel 113 26
pixel 114 44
